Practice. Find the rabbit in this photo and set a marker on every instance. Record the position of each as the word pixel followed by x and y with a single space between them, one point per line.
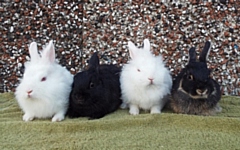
pixel 194 91
pixel 45 87
pixel 95 91
pixel 145 81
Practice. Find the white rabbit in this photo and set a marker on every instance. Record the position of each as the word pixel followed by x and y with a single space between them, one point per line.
pixel 145 81
pixel 45 87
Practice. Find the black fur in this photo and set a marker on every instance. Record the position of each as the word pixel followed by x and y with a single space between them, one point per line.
pixel 95 91
pixel 196 76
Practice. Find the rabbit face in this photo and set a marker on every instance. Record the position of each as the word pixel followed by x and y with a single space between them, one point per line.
pixel 196 79
pixel 40 72
pixel 144 68
pixel 146 71
pixel 84 87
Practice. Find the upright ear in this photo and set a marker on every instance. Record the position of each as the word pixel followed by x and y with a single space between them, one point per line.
pixel 33 51
pixel 146 45
pixel 94 61
pixel 192 55
pixel 49 53
pixel 204 54
pixel 133 50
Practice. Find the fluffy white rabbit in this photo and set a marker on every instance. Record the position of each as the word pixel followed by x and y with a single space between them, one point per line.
pixel 145 81
pixel 45 87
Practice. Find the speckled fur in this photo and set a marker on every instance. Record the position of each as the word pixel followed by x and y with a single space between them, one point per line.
pixel 193 78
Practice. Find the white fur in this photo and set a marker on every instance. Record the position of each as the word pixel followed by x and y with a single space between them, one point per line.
pixel 49 98
pixel 137 92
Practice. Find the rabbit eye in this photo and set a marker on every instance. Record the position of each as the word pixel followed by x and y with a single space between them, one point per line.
pixel 190 77
pixel 43 79
pixel 91 85
pixel 138 70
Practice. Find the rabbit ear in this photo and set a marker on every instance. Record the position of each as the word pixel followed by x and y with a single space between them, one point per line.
pixel 192 55
pixel 94 61
pixel 33 51
pixel 204 54
pixel 132 49
pixel 49 53
pixel 146 45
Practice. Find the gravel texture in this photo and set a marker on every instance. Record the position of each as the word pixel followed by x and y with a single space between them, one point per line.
pixel 79 28
pixel 25 21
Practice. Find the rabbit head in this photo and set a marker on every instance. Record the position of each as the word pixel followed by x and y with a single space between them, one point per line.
pixel 196 78
pixel 39 72
pixel 143 66
pixel 86 82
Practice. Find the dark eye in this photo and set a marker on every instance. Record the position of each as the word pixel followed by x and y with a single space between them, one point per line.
pixel 138 70
pixel 43 79
pixel 190 77
pixel 91 85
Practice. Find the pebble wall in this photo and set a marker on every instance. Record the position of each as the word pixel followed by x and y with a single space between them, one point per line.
pixel 79 28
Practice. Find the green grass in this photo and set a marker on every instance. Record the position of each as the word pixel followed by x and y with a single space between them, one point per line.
pixel 166 131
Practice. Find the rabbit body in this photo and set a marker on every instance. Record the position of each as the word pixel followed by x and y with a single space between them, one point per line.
pixel 194 91
pixel 96 91
pixel 45 87
pixel 145 81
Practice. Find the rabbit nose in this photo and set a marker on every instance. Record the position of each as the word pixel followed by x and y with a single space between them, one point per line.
pixel 29 92
pixel 201 91
pixel 151 80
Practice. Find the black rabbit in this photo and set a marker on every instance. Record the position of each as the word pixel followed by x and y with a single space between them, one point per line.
pixel 96 91
pixel 194 91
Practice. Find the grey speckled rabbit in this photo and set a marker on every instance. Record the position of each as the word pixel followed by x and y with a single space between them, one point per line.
pixel 194 91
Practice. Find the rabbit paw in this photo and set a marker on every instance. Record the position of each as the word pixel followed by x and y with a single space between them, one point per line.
pixel 57 117
pixel 218 108
pixel 28 117
pixel 123 105
pixel 155 110
pixel 134 110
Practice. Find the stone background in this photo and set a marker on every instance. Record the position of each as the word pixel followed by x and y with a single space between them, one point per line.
pixel 79 28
